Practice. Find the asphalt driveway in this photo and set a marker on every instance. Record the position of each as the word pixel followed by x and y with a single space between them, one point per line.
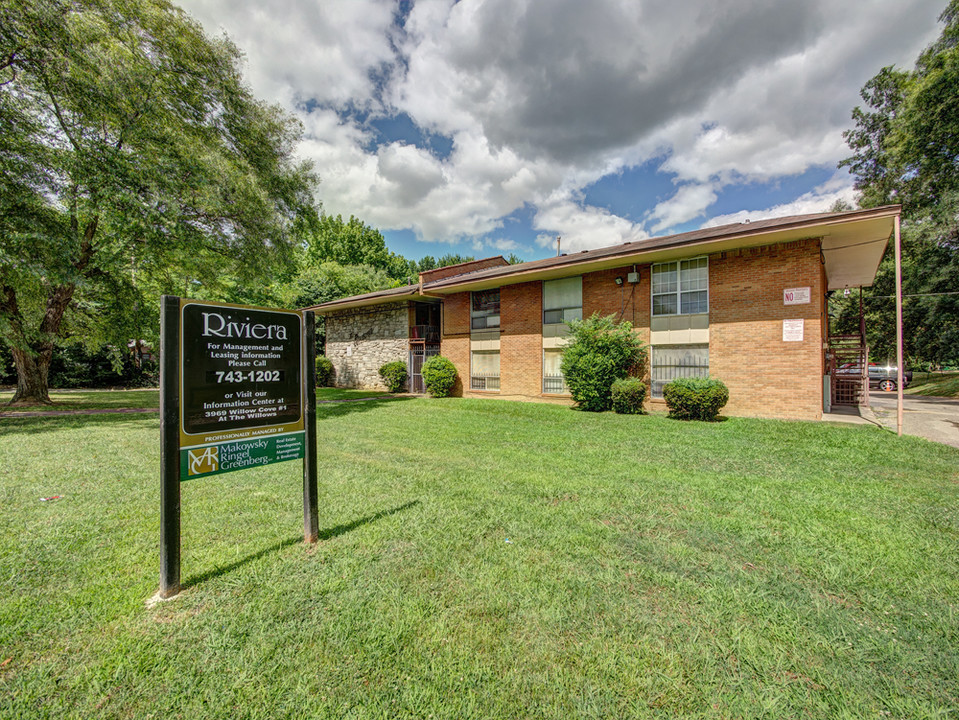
pixel 934 418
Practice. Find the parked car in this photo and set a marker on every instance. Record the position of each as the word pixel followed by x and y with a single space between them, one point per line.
pixel 883 377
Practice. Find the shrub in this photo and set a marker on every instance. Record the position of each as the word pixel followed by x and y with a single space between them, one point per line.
pixel 394 375
pixel 600 351
pixel 439 376
pixel 76 366
pixel 628 395
pixel 695 398
pixel 324 371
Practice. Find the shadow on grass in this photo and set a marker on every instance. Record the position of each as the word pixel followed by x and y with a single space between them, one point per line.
pixel 326 534
pixel 328 411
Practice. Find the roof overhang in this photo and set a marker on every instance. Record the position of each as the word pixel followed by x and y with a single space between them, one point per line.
pixel 358 301
pixel 852 247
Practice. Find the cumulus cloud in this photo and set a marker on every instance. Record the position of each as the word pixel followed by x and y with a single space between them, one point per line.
pixel 540 98
pixel 582 227
pixel 820 199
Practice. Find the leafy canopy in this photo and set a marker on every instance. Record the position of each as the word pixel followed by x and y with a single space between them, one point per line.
pixel 905 144
pixel 134 160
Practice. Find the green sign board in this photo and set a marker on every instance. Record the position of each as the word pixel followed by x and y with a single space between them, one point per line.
pixel 240 455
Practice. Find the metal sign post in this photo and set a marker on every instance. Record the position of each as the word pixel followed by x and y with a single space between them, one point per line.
pixel 237 390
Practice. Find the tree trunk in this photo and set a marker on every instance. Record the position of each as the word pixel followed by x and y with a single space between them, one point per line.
pixel 32 375
pixel 32 360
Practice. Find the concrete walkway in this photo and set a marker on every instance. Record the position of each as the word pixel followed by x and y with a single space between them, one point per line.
pixel 933 418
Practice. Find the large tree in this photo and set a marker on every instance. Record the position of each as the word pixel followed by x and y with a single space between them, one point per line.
pixel 131 153
pixel 906 150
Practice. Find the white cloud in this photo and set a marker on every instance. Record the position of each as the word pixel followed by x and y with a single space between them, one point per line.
pixel 582 227
pixel 540 98
pixel 299 50
pixel 818 200
pixel 689 203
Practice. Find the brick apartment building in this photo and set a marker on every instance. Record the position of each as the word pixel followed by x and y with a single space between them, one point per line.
pixel 746 303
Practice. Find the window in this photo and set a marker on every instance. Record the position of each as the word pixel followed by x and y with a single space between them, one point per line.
pixel 681 288
pixel 484 370
pixel 553 380
pixel 563 300
pixel 485 310
pixel 675 361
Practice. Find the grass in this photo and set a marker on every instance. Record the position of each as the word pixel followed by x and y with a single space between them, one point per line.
pixel 487 559
pixel 934 384
pixel 345 394
pixel 89 400
pixel 114 399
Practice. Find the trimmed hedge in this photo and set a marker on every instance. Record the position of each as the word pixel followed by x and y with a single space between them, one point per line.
pixel 695 398
pixel 324 371
pixel 628 396
pixel 394 375
pixel 439 376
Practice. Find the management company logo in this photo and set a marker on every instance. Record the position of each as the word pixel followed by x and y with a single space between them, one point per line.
pixel 203 460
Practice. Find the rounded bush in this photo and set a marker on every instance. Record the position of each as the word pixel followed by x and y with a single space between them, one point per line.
pixel 439 376
pixel 324 371
pixel 695 398
pixel 394 375
pixel 628 396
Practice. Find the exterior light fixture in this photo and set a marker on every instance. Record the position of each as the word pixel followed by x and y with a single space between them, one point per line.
pixel 619 281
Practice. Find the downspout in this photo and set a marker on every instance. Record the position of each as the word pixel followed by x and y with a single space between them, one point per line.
pixel 898 242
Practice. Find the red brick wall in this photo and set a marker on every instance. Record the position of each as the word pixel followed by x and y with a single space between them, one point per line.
pixel 521 339
pixel 628 302
pixel 766 376
pixel 455 343
pixel 456 315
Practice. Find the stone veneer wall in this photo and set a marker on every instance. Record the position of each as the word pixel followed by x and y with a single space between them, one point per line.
pixel 360 341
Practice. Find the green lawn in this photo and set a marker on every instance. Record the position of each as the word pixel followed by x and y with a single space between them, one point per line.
pixel 487 559
pixel 934 384
pixel 110 399
pixel 89 400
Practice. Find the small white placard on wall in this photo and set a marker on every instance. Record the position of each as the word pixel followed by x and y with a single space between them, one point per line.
pixel 792 330
pixel 797 296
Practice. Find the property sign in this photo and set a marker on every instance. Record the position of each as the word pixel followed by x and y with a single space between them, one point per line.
pixel 797 296
pixel 792 330
pixel 237 390
pixel 241 390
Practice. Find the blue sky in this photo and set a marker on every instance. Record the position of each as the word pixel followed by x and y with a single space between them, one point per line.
pixel 493 126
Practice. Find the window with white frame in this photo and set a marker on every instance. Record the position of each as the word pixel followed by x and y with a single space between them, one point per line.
pixel 563 300
pixel 484 370
pixel 681 288
pixel 484 309
pixel 668 362
pixel 553 380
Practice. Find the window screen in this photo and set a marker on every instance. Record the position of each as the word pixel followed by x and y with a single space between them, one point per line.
pixel 675 361
pixel 681 288
pixel 553 381
pixel 484 372
pixel 563 300
pixel 484 312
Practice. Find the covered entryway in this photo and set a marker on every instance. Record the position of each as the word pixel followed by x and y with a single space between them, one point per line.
pixel 847 364
pixel 424 341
